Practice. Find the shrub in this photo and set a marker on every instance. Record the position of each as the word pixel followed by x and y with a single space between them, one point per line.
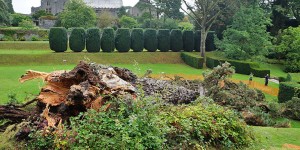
pixel 197 36
pixel 150 40
pixel 123 40
pixel 288 90
pixel 93 40
pixel 197 126
pixel 127 125
pixel 176 40
pixel 58 39
pixel 128 22
pixel 192 60
pixel 137 40
pixel 77 39
pixel 163 36
pixel 108 40
pixel 188 40
pixel 292 110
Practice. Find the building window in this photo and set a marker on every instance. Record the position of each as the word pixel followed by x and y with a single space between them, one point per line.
pixel 48 3
pixel 48 10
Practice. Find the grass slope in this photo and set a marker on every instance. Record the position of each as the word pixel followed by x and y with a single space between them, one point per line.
pixel 275 138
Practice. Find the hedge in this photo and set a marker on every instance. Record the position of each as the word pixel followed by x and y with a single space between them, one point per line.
pixel 108 40
pixel 93 40
pixel 287 90
pixel 58 39
pixel 17 34
pixel 240 66
pixel 188 41
pixel 209 44
pixel 163 37
pixel 123 40
pixel 176 40
pixel 197 37
pixel 77 39
pixel 137 40
pixel 150 40
pixel 192 60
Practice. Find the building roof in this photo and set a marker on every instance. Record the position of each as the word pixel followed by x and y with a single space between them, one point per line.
pixel 104 3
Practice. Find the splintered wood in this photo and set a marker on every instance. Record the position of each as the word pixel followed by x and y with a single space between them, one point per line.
pixel 81 86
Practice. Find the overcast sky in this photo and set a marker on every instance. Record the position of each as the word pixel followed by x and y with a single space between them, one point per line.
pixel 24 6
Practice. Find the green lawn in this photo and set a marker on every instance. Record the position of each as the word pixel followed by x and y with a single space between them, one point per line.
pixel 275 138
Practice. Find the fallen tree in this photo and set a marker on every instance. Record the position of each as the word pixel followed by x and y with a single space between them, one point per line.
pixel 89 86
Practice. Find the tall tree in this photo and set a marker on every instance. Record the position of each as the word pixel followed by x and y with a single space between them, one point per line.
pixel 77 14
pixel 205 13
pixel 4 14
pixel 10 6
pixel 172 9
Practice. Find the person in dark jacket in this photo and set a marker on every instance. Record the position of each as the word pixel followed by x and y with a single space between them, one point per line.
pixel 267 79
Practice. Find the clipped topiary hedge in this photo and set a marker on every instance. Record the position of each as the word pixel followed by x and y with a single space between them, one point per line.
pixel 176 40
pixel 192 60
pixel 188 41
pixel 150 40
pixel 77 39
pixel 163 37
pixel 288 90
pixel 209 44
pixel 108 40
pixel 197 42
pixel 137 40
pixel 58 39
pixel 123 40
pixel 93 40
pixel 240 66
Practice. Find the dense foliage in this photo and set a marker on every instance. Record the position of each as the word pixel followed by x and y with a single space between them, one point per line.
pixel 105 19
pixel 4 13
pixel 288 90
pixel 77 14
pixel 197 36
pixel 163 36
pixel 137 40
pixel 188 40
pixel 150 38
pixel 77 39
pixel 247 36
pixel 108 40
pixel 127 22
pixel 147 123
pixel 176 40
pixel 58 39
pixel 17 18
pixel 289 48
pixel 123 40
pixel 292 108
pixel 93 40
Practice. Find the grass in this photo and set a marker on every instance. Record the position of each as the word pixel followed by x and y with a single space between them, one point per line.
pixel 20 45
pixel 275 138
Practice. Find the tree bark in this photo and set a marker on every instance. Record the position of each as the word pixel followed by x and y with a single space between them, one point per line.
pixel 203 42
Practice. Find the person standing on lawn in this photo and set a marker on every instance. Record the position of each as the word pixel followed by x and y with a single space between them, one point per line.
pixel 267 80
pixel 250 78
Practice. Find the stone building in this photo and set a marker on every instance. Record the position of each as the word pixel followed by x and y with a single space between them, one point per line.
pixel 137 11
pixel 56 6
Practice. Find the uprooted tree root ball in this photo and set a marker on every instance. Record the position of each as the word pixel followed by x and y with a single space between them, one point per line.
pixel 89 86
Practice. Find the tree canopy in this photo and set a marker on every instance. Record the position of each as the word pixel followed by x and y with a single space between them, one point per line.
pixel 247 36
pixel 77 14
pixel 4 13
